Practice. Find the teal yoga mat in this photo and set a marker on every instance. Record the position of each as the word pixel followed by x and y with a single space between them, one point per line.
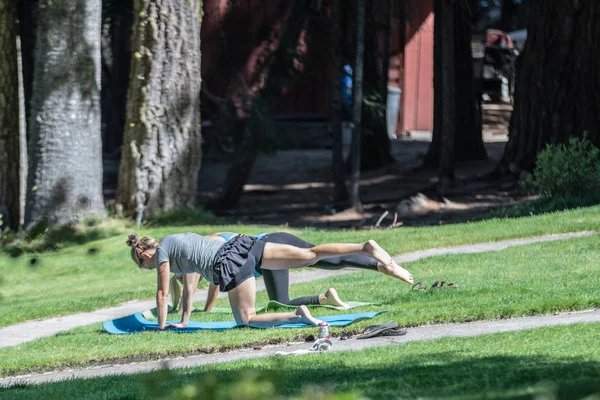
pixel 138 323
pixel 271 306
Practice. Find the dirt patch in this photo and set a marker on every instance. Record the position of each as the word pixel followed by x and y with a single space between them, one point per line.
pixel 294 188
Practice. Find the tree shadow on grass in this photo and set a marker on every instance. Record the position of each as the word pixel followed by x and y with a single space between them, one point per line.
pixel 437 375
pixel 42 238
pixel 441 375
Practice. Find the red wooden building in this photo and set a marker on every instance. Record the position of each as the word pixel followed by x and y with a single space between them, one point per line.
pixel 234 40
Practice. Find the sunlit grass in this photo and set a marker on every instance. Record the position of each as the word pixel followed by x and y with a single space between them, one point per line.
pixel 100 273
pixel 536 279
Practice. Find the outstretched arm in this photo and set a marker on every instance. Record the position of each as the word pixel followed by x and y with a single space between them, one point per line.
pixel 162 293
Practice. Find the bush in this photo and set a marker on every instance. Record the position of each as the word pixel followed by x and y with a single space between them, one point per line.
pixel 566 171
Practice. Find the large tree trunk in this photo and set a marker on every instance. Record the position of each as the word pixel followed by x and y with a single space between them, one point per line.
pixel 468 141
pixel 162 152
pixel 357 104
pixel 340 193
pixel 376 148
pixel 278 65
pixel 558 81
pixel 65 175
pixel 12 137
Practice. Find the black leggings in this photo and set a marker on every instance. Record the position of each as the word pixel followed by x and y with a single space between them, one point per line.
pixel 277 282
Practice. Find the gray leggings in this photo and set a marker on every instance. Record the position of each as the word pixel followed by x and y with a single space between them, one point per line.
pixel 277 282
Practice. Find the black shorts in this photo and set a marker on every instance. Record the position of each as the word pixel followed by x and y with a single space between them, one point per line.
pixel 237 260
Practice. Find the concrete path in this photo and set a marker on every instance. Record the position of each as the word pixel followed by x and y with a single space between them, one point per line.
pixel 414 334
pixel 31 330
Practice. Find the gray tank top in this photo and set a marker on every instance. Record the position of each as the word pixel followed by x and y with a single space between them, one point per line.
pixel 189 252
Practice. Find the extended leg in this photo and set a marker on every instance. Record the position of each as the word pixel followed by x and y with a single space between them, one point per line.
pixel 330 263
pixel 282 256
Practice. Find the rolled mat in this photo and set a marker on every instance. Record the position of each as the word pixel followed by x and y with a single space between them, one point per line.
pixel 138 323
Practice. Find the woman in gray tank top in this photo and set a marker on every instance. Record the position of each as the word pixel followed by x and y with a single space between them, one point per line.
pixel 231 266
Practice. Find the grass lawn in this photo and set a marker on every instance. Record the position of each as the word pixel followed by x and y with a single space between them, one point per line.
pixel 100 274
pixel 503 366
pixel 536 279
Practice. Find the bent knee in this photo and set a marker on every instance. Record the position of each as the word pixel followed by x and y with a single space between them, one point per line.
pixel 244 316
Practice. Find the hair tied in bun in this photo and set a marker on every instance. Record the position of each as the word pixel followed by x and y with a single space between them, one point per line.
pixel 132 239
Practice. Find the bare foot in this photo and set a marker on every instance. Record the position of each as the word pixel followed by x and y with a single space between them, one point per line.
pixel 331 298
pixel 395 271
pixel 306 317
pixel 377 252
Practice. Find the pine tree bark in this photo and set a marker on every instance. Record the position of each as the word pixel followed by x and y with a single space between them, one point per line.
pixel 65 173
pixel 12 135
pixel 468 140
pixel 161 153
pixel 558 81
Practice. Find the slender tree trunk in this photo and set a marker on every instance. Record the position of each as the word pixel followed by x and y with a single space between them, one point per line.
pixel 27 10
pixel 357 103
pixel 12 138
pixel 65 175
pixel 385 53
pixel 468 140
pixel 558 81
pixel 161 154
pixel 447 159
pixel 375 147
pixel 279 64
pixel 340 193
pixel 116 60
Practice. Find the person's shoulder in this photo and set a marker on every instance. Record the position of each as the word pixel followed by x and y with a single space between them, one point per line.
pixel 172 239
pixel 185 237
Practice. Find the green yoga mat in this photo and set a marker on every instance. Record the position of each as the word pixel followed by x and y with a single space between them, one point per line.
pixel 271 306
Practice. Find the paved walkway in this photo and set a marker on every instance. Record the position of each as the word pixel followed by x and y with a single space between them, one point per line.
pixel 414 334
pixel 32 330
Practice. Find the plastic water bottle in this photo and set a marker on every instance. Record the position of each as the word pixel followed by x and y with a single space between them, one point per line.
pixel 323 330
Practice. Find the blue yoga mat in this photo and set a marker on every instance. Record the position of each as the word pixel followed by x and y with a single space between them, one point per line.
pixel 137 323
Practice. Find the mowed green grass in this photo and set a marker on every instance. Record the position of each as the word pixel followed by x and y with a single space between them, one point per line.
pixel 561 362
pixel 540 278
pixel 100 274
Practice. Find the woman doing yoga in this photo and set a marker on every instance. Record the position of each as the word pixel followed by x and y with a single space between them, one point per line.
pixel 231 266
pixel 277 281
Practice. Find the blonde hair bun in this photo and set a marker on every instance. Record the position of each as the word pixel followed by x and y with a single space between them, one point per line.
pixel 132 239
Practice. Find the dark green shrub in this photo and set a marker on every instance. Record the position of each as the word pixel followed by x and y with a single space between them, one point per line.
pixel 571 170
